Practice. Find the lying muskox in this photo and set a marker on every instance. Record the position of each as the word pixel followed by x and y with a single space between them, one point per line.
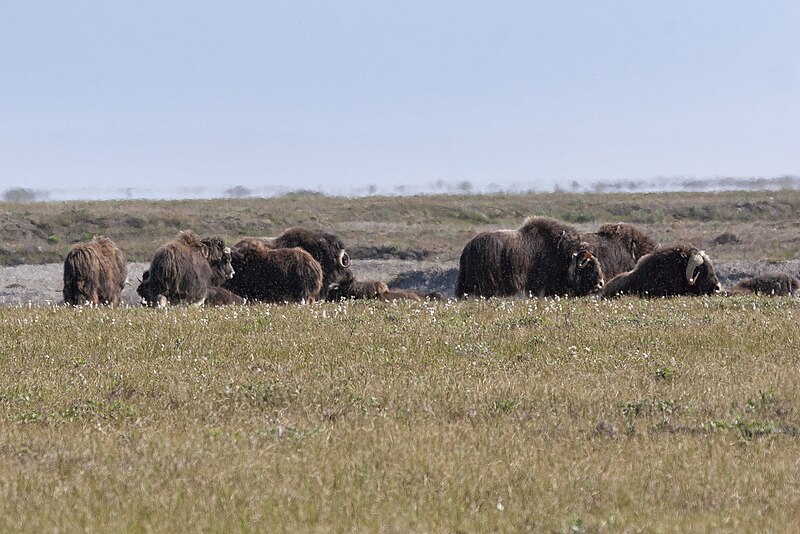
pixel 217 296
pixel 351 289
pixel 274 275
pixel 183 270
pixel 776 284
pixel 543 258
pixel 95 272
pixel 326 248
pixel 667 271
pixel 618 247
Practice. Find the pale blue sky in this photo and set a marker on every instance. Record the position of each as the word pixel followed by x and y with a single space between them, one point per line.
pixel 331 94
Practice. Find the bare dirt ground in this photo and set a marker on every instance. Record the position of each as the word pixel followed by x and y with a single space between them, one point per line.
pixel 40 285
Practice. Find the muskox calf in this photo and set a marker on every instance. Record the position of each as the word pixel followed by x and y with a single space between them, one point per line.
pixel 351 289
pixel 219 296
pixel 667 271
pixel 543 258
pixel 274 275
pixel 775 284
pixel 183 270
pixel 95 272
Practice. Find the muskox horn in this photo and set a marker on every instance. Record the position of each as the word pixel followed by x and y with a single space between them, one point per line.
pixel 695 261
pixel 344 259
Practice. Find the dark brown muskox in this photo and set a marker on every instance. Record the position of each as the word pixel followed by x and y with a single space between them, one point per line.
pixel 274 275
pixel 618 247
pixel 776 284
pixel 182 270
pixel 667 271
pixel 543 258
pixel 351 289
pixel 326 248
pixel 95 272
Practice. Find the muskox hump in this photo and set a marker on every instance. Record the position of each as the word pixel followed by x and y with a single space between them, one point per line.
pixel 95 272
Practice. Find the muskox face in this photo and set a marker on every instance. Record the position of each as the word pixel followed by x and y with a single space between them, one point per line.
pixel 145 289
pixel 585 273
pixel 700 274
pixel 219 257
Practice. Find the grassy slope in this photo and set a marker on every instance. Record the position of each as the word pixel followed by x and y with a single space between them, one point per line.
pixel 566 415
pixel 426 226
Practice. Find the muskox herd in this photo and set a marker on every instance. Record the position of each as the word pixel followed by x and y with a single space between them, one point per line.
pixel 543 258
pixel 548 258
pixel 299 265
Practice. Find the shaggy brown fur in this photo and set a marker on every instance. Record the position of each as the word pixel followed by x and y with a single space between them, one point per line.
pixel 274 275
pixel 95 272
pixel 776 284
pixel 350 288
pixel 543 258
pixel 326 248
pixel 663 273
pixel 182 270
pixel 618 247
pixel 219 296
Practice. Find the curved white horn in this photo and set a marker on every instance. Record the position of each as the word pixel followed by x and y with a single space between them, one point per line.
pixel 695 261
pixel 344 259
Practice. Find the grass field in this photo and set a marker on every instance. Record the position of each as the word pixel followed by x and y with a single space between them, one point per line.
pixel 546 415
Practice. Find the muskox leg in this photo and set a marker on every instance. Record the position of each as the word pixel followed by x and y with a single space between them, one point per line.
pixel 161 301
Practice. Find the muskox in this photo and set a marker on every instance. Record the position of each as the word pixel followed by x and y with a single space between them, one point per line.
pixel 95 272
pixel 618 247
pixel 326 248
pixel 182 270
pixel 667 271
pixel 274 275
pixel 219 296
pixel 543 258
pixel 351 289
pixel 775 284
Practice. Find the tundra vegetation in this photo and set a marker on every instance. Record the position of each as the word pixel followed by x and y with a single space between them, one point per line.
pixel 555 415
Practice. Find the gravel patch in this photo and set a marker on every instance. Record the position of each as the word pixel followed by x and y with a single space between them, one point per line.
pixel 39 285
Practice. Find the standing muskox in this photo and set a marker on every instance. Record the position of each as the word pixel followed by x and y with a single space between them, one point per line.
pixel 274 275
pixel 326 248
pixel 543 258
pixel 775 284
pixel 667 271
pixel 618 247
pixel 182 270
pixel 95 272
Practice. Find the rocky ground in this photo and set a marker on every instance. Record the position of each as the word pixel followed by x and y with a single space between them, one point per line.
pixel 24 285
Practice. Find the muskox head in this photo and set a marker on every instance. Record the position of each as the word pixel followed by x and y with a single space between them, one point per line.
pixel 145 289
pixel 700 274
pixel 219 257
pixel 585 273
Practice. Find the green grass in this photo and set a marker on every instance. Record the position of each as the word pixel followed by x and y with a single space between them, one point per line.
pixel 544 415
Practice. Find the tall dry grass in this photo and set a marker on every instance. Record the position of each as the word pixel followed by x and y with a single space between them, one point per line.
pixel 544 415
